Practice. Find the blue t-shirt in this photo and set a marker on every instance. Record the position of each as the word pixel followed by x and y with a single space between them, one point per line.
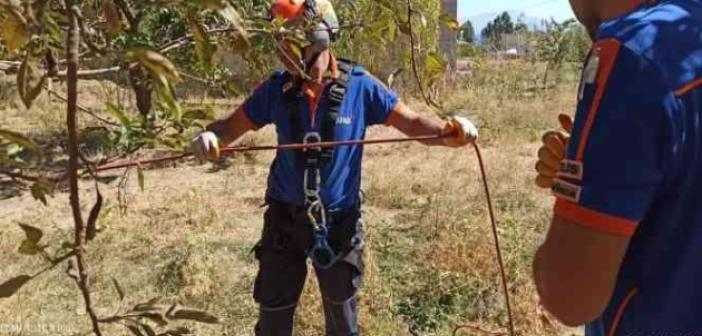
pixel 634 166
pixel 367 102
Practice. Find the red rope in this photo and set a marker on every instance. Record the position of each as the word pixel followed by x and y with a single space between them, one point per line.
pixel 243 149
pixel 496 237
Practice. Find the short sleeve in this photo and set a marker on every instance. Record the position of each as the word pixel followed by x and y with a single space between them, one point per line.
pixel 614 162
pixel 380 100
pixel 259 106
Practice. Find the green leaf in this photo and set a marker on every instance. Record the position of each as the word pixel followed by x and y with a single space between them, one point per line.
pixel 203 47
pixel 117 113
pixel 15 32
pixel 39 193
pixel 33 234
pixel 140 177
pixel 53 29
pixel 22 76
pixel 149 331
pixel 178 331
pixel 157 64
pixel 34 92
pixel 450 22
pixel 29 248
pixel 225 10
pixel 10 287
pixel 118 288
pixel 134 329
pixel 194 315
pixel 199 114
pixel 20 140
pixel 28 92
pixel 91 224
pixel 151 305
pixel 434 64
pixel 156 318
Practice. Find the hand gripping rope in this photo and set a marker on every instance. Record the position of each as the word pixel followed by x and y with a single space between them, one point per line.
pixel 321 250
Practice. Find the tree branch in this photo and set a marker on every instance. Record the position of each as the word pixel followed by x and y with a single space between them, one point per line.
pixel 72 50
pixel 19 176
pixel 133 21
pixel 415 70
pixel 9 66
pixel 85 110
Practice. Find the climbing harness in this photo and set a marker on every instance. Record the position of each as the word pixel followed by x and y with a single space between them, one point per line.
pixel 314 159
pixel 332 144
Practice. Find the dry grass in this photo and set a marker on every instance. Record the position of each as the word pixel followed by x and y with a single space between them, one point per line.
pixel 430 259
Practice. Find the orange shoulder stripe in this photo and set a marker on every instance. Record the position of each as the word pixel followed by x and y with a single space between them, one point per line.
pixel 685 89
pixel 607 50
pixel 595 220
pixel 621 310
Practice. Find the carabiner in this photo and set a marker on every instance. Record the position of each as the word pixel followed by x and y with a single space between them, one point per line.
pixel 309 192
pixel 317 207
pixel 321 253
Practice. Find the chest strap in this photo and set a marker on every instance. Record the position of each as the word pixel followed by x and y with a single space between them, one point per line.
pixel 334 96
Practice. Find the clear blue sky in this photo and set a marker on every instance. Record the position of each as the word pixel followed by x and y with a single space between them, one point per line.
pixel 558 9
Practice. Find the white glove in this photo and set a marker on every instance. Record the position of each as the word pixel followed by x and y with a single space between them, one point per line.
pixel 462 132
pixel 205 146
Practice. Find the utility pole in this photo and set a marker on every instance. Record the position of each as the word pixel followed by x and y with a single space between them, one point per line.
pixel 447 37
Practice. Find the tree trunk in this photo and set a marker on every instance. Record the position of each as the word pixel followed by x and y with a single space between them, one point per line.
pixel 73 48
pixel 447 38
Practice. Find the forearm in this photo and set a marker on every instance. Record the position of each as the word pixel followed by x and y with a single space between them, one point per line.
pixel 414 125
pixel 232 128
pixel 426 126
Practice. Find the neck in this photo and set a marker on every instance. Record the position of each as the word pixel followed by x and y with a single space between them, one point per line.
pixel 325 62
pixel 613 9
pixel 605 10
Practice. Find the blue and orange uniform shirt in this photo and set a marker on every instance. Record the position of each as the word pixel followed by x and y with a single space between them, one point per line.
pixel 633 167
pixel 367 102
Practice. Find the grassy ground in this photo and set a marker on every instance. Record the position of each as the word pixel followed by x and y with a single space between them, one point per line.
pixel 186 238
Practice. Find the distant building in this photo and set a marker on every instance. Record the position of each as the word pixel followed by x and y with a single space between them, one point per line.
pixel 515 43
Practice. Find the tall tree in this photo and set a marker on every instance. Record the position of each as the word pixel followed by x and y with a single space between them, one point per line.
pixel 467 32
pixel 501 25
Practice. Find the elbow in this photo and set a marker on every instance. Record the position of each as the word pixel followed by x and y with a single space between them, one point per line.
pixel 570 311
pixel 568 297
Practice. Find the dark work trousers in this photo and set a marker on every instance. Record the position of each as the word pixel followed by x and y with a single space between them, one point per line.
pixel 282 255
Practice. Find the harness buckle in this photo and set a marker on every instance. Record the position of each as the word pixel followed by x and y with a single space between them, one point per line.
pixel 312 138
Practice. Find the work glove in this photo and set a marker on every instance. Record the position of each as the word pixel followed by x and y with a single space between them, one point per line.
pixel 461 131
pixel 552 152
pixel 205 146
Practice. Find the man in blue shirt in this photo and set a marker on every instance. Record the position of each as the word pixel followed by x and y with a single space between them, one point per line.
pixel 622 252
pixel 313 196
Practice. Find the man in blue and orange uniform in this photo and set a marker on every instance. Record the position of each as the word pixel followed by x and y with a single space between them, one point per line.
pixel 313 196
pixel 622 253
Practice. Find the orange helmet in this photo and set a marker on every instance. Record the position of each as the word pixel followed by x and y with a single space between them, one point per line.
pixel 287 9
